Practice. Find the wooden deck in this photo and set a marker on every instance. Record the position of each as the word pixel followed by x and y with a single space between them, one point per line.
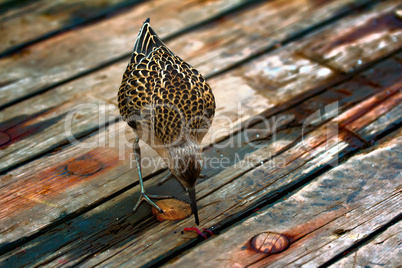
pixel 306 140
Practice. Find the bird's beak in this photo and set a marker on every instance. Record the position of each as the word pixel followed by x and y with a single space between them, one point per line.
pixel 191 193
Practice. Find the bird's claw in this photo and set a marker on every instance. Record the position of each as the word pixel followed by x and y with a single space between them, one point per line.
pixel 147 198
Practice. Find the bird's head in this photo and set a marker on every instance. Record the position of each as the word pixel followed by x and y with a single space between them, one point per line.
pixel 185 163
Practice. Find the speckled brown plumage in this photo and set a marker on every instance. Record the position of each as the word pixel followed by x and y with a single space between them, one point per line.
pixel 168 104
pixel 164 94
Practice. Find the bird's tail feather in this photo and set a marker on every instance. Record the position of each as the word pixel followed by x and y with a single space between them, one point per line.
pixel 147 40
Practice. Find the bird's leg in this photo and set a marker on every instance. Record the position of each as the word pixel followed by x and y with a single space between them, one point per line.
pixel 143 195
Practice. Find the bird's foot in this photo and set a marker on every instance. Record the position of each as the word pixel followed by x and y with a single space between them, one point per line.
pixel 147 198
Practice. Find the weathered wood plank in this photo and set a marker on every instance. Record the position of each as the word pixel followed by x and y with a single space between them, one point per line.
pixel 114 178
pixel 250 188
pixel 99 86
pixel 385 75
pixel 387 121
pixel 388 104
pixel 246 103
pixel 298 121
pixel 324 218
pixel 85 49
pixel 250 32
pixel 359 40
pixel 42 65
pixel 96 93
pixel 382 111
pixel 123 217
pixel 35 20
pixel 250 180
pixel 215 183
pixel 133 199
pixel 384 250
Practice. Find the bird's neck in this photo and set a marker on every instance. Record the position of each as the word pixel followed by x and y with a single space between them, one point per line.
pixel 185 162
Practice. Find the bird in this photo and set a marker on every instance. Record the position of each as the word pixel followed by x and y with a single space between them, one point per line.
pixel 169 105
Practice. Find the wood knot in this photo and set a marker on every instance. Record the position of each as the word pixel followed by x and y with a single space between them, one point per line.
pixel 269 242
pixel 84 167
pixel 4 138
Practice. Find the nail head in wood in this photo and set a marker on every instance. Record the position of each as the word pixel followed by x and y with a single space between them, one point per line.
pixel 269 243
pixel 173 209
pixel 84 167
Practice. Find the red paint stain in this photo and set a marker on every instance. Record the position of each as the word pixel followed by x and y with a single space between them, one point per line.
pixel 188 229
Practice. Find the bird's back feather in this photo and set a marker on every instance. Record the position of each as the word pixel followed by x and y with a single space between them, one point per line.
pixel 163 95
